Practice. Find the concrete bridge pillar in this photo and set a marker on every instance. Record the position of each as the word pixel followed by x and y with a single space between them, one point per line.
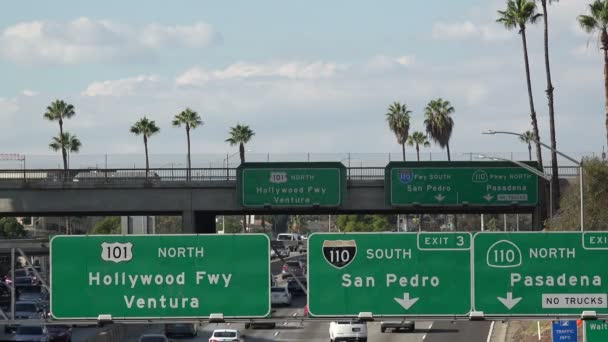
pixel 198 222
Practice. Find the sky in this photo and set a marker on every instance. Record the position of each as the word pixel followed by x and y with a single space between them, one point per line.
pixel 314 76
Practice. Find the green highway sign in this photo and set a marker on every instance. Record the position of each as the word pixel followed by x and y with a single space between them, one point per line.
pixel 291 184
pixel 389 274
pixel 160 276
pixel 596 331
pixel 562 273
pixel 459 184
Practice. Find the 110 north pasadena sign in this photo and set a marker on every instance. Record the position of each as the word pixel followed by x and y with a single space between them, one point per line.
pixel 160 276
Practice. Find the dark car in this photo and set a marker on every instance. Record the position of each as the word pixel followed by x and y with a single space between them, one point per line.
pixel 292 268
pixel 25 310
pixel 181 329
pixel 31 293
pixel 294 288
pixel 5 296
pixel 397 325
pixel 23 281
pixel 31 333
pixel 59 333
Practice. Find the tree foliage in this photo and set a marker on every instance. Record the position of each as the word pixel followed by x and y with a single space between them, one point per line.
pixel 10 228
pixel 595 193
pixel 365 223
pixel 168 224
pixel 109 225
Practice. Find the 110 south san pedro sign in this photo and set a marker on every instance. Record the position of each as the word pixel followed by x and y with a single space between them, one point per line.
pixel 158 276
pixel 460 183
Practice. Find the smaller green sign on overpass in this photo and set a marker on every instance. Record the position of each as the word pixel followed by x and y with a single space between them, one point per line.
pixel 460 184
pixel 160 276
pixel 596 331
pixel 291 184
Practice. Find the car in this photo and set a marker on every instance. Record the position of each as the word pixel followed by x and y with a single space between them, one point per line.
pixel 280 295
pixel 226 335
pixel 28 280
pixel 260 325
pixel 180 329
pixel 153 338
pixel 397 325
pixel 292 268
pixel 59 333
pixel 31 292
pixel 32 333
pixel 25 310
pixel 353 330
pixel 5 296
pixel 292 241
pixel 295 288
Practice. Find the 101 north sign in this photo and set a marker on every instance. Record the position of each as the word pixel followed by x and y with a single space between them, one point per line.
pixel 160 276
pixel 391 274
pixel 459 184
pixel 292 184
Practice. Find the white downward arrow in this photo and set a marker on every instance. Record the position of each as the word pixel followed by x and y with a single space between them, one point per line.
pixel 488 197
pixel 440 198
pixel 509 302
pixel 406 302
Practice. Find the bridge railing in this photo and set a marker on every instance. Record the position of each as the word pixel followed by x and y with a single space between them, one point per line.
pixel 163 175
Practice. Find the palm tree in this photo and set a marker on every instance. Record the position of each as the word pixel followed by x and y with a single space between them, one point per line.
pixel 417 139
pixel 549 91
pixel 597 21
pixel 191 120
pixel 518 14
pixel 398 118
pixel 241 135
pixel 147 128
pixel 71 144
pixel 439 124
pixel 58 111
pixel 528 138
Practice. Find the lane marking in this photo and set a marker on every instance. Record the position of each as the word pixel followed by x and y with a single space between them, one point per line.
pixel 428 330
pixel 490 332
pixel 275 333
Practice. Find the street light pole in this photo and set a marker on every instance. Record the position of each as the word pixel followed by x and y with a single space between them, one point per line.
pixel 579 164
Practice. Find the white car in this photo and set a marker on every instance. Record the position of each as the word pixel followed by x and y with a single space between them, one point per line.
pixel 279 295
pixel 225 335
pixel 347 331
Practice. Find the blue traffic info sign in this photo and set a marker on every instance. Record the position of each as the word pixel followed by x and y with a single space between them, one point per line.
pixel 564 331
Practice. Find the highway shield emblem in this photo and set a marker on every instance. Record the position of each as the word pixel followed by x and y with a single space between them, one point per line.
pixel 339 253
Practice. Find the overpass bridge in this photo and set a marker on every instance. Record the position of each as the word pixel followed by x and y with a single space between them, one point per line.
pixel 198 196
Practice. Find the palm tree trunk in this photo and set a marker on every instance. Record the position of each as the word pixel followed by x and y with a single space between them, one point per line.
pixel 418 152
pixel 403 150
pixel 554 168
pixel 189 162
pixel 448 148
pixel 242 152
pixel 63 151
pixel 146 148
pixel 605 48
pixel 530 151
pixel 539 156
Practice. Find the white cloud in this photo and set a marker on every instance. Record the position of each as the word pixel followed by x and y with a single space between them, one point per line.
pixel 243 70
pixel 469 30
pixel 30 93
pixel 121 87
pixel 195 36
pixel 387 62
pixel 8 106
pixel 88 40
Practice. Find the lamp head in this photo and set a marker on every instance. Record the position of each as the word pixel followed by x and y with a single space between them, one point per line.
pixel 488 132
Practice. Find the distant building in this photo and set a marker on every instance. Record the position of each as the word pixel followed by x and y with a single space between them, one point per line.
pixel 138 225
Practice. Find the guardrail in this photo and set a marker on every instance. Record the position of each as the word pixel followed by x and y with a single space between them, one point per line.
pixel 164 175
